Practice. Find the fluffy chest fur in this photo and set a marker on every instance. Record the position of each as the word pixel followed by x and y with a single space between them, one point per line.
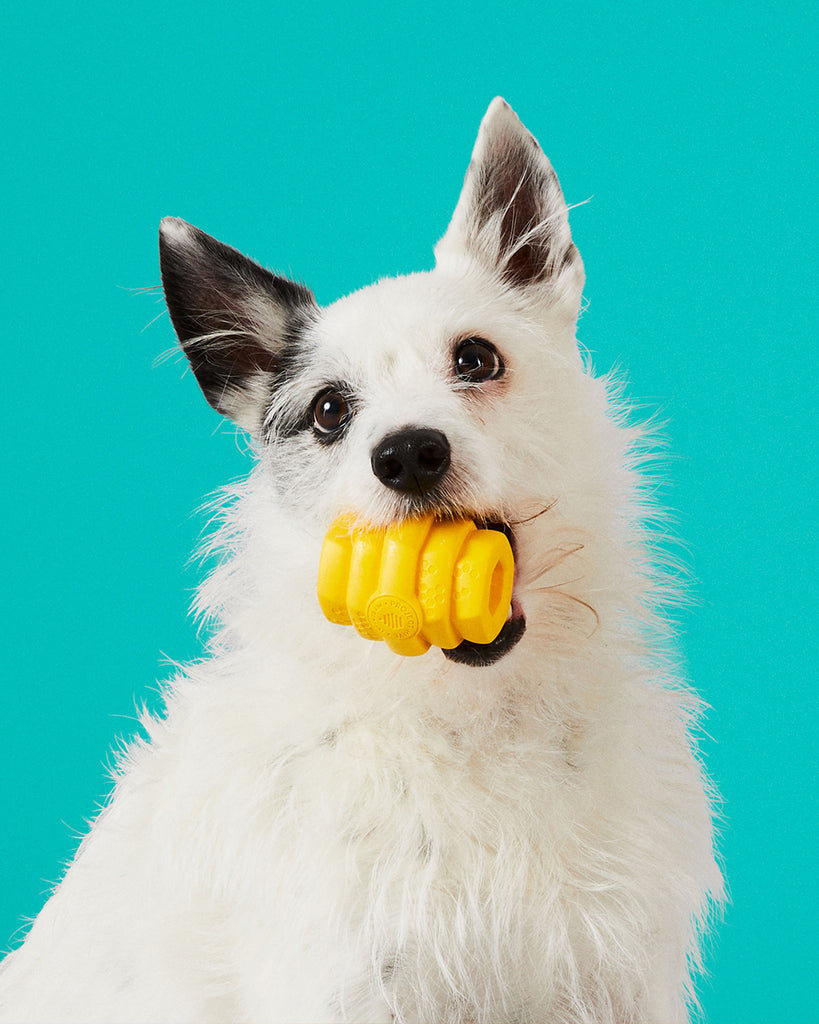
pixel 453 856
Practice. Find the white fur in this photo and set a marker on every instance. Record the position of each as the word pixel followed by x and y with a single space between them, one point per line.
pixel 320 830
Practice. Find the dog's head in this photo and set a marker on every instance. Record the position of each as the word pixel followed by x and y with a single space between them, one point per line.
pixel 458 391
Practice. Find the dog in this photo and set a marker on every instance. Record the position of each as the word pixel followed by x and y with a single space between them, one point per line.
pixel 319 829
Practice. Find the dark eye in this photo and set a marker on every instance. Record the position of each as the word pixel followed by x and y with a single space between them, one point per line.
pixel 330 412
pixel 477 360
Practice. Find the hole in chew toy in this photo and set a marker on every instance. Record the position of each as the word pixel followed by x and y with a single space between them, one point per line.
pixel 496 589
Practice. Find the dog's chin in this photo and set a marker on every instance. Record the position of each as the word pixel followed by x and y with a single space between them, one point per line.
pixel 483 655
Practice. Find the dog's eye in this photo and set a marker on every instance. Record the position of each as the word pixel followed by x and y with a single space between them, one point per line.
pixel 331 411
pixel 477 360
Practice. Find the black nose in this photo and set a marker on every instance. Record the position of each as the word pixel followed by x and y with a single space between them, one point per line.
pixel 412 460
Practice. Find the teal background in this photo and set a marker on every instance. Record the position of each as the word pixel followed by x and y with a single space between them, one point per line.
pixel 329 141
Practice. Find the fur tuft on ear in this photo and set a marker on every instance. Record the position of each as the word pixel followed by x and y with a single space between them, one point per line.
pixel 511 216
pixel 234 319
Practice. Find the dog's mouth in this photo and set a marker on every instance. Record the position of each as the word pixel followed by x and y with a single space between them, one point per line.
pixel 482 655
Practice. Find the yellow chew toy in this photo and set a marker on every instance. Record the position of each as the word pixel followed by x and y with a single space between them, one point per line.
pixel 417 583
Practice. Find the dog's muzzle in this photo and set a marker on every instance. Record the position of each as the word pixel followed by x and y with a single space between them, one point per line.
pixel 412 461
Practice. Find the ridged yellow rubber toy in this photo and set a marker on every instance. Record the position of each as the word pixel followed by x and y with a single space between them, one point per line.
pixel 418 583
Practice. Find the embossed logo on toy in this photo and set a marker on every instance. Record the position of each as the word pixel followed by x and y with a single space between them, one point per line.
pixel 393 618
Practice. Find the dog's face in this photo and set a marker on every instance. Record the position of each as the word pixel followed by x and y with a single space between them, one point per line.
pixel 455 391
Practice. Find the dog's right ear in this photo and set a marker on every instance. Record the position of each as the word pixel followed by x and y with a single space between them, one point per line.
pixel 511 218
pixel 233 318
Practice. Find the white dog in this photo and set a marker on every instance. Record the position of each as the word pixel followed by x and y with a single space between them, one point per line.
pixel 321 830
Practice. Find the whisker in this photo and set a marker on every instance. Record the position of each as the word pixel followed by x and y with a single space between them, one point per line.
pixel 536 515
pixel 584 604
pixel 554 586
pixel 552 558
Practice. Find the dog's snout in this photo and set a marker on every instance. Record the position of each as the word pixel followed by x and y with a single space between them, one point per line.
pixel 412 460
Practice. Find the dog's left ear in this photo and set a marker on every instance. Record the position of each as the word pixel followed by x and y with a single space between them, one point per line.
pixel 511 216
pixel 233 318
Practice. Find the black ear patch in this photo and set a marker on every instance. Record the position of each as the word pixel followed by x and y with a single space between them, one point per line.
pixel 520 202
pixel 511 215
pixel 234 319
